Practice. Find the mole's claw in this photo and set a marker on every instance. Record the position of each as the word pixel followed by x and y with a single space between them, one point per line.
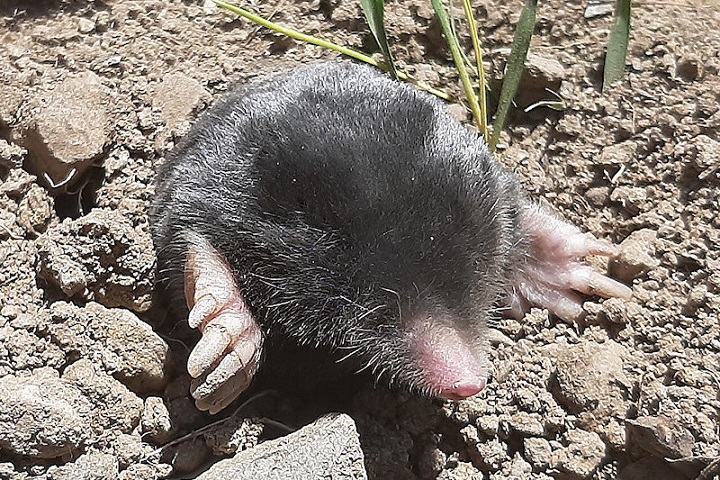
pixel 203 308
pixel 225 360
pixel 553 269
pixel 208 350
pixel 586 280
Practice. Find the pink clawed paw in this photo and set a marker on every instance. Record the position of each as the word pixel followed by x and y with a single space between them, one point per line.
pixel 225 360
pixel 554 275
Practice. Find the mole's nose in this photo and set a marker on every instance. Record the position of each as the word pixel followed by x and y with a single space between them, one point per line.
pixel 463 390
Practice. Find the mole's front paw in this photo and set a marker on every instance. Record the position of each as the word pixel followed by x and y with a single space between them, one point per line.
pixel 553 272
pixel 227 356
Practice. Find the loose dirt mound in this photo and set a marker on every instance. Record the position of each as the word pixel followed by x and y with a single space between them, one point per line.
pixel 94 94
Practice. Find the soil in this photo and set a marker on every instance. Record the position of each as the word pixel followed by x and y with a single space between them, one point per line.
pixel 93 94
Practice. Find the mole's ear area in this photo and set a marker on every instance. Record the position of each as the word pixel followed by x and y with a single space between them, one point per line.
pixel 227 356
pixel 553 273
pixel 451 361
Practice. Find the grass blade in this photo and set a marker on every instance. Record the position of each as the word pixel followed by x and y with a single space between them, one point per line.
pixel 482 81
pixel 515 67
pixel 457 56
pixel 332 46
pixel 375 14
pixel 618 44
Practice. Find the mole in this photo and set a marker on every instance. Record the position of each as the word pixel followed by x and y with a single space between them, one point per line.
pixel 334 208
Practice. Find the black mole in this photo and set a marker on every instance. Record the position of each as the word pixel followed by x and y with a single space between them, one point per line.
pixel 335 208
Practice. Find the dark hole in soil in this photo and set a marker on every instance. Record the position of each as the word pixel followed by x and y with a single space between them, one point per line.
pixel 79 197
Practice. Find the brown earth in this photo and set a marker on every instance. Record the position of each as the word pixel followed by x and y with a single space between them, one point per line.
pixel 92 96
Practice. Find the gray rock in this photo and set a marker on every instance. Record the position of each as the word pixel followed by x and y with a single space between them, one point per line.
pixel 99 257
pixel 538 451
pixel 89 466
pixel 114 338
pixel 635 256
pixel 68 129
pixel 42 416
pixel 582 455
pixel 661 436
pixel 177 98
pixel 590 381
pixel 326 449
pixel 11 155
pixel 155 422
pixel 114 406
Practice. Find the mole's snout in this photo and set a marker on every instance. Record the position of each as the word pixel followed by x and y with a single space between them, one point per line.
pixel 450 359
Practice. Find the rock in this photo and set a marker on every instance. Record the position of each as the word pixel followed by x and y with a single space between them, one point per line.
pixel 233 435
pixel 42 416
pixel 328 448
pixel 618 154
pixel 67 130
pixel 11 155
pixel 541 74
pixel 141 471
pixel 704 155
pixel 35 211
pixel 636 256
pixel 99 257
pixel 91 465
pixel 587 374
pixel 114 338
pixel 582 455
pixel 114 406
pixel 516 468
pixel 632 199
pixel 590 382
pixel 526 424
pixel 538 451
pixel 129 449
pixel 155 422
pixel 598 8
pixel 178 98
pixel 659 435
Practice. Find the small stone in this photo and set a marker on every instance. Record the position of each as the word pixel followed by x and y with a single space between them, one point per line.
pixel 526 424
pixel 618 154
pixel 597 196
pixel 631 199
pixel 36 210
pixel 234 435
pixel 85 25
pixel 189 455
pixel 129 449
pixel 582 455
pixel 178 98
pixel 636 256
pixel 704 155
pixel 68 129
pixel 328 448
pixel 661 436
pixel 42 416
pixel 538 451
pixel 114 338
pixel 598 8
pixel 11 155
pixel 95 465
pixel 99 257
pixel 155 421
pixel 114 406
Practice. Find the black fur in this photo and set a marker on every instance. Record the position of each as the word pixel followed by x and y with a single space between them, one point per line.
pixel 343 202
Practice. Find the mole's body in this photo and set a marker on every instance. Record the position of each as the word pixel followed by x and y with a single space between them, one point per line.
pixel 336 208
